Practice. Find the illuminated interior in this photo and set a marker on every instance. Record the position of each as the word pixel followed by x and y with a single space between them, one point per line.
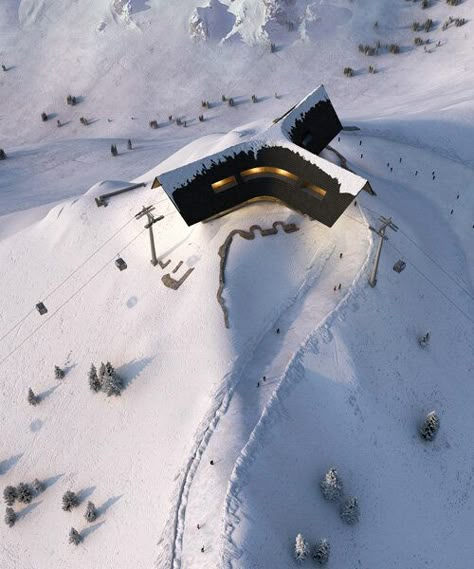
pixel 224 184
pixel 320 193
pixel 262 170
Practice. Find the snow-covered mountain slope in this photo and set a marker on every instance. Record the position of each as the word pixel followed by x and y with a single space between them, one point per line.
pixel 355 393
pixel 346 382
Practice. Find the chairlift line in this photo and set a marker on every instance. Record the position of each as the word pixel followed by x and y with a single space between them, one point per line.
pixel 19 322
pixel 67 300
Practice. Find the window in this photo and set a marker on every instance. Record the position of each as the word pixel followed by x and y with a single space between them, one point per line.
pixel 224 184
pixel 268 170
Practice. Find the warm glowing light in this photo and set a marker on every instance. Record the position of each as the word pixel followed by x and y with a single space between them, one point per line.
pixel 268 170
pixel 317 190
pixel 224 184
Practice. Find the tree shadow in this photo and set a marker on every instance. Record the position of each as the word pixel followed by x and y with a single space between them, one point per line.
pixel 27 510
pixel 129 372
pixel 45 394
pixel 107 504
pixel 79 99
pixel 9 463
pixel 65 123
pixel 35 426
pixel 51 481
pixel 52 116
pixel 85 493
pixel 264 98
pixel 68 368
pixel 91 529
pixel 10 68
pixel 92 121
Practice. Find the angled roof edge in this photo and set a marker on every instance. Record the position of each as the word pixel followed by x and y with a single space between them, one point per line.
pixel 299 110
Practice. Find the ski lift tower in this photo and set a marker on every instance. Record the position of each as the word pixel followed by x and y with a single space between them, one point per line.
pixel 386 222
pixel 151 221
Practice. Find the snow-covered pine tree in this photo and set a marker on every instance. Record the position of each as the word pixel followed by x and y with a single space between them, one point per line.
pixel 91 512
pixel 321 551
pixel 32 398
pixel 23 493
pixel 350 511
pixel 10 517
pixel 58 372
pixel 101 372
pixel 129 144
pixel 430 426
pixel 70 501
pixel 301 548
pixel 9 495
pixel 112 384
pixel 38 486
pixel 74 537
pixel 94 381
pixel 331 485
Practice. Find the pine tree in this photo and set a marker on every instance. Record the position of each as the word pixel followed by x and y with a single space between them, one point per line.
pixel 350 511
pixel 70 501
pixel 23 493
pixel 91 512
pixel 58 372
pixel 430 426
pixel 321 552
pixel 74 537
pixel 9 495
pixel 38 486
pixel 301 548
pixel 101 372
pixel 129 144
pixel 32 398
pixel 331 486
pixel 112 383
pixel 10 517
pixel 94 381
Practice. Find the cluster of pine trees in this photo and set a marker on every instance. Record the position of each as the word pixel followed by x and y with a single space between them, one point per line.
pixel 106 380
pixel 23 494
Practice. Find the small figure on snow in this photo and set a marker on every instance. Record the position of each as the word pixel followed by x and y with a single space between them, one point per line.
pixel 424 340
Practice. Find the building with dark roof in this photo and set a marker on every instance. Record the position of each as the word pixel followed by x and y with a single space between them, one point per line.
pixel 281 163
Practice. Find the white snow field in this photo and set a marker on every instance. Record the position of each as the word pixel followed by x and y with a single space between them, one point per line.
pixel 346 383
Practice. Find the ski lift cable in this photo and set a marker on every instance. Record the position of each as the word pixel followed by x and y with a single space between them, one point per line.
pixel 12 328
pixel 74 294
pixel 390 244
pixel 440 267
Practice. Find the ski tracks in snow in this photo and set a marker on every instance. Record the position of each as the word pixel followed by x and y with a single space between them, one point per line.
pixel 172 540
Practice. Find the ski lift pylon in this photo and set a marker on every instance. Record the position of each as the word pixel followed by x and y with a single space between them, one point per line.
pixel 41 308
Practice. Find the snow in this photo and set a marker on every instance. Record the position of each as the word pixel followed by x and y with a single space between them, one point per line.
pixel 347 384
